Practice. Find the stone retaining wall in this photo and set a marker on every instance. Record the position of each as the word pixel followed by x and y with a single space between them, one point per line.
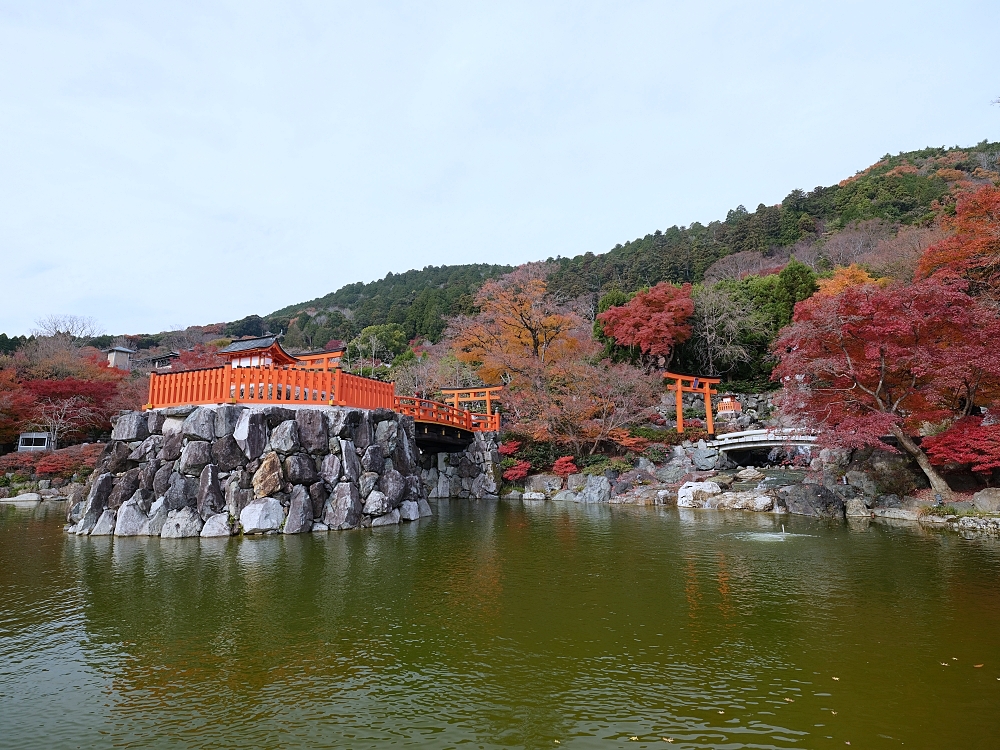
pixel 475 472
pixel 222 470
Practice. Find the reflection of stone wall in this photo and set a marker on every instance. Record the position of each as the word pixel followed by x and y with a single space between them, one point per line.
pixel 219 470
pixel 475 472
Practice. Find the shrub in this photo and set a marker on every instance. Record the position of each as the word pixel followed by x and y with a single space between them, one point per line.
pixel 509 448
pixel 564 466
pixel 655 453
pixel 517 472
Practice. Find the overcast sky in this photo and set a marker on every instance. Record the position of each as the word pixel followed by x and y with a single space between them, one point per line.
pixel 169 164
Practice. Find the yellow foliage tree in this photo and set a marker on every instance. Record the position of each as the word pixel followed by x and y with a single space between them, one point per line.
pixel 845 277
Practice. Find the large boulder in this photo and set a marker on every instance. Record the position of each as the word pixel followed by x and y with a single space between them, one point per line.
pixel 196 454
pixel 387 520
pixel 182 492
pixel 425 508
pixel 154 422
pixel 385 435
pixel 317 495
pixel 157 518
pixel 367 482
pixel 217 525
pixel 704 459
pixel 697 494
pixel 547 484
pixel 147 474
pixel 484 486
pixel 161 479
pixel 210 498
pixel 363 434
pixel 329 470
pixel 409 511
pixel 171 447
pixel 251 433
pixel 261 516
pixel 131 520
pixel 351 465
pixel 596 490
pixel 227 417
pixel 673 472
pixel 268 478
pixel 285 438
pixel 300 469
pixel 300 512
pixel 404 457
pixel 181 523
pixel 200 424
pixel 148 448
pixel 855 508
pixel 312 431
pixel 97 501
pixel 373 459
pixel 125 487
pixel 343 508
pixel 114 458
pixel 105 525
pixel 987 501
pixel 131 426
pixel 226 453
pixel 755 501
pixel 392 485
pixel 811 500
pixel 275 415
pixel 237 498
pixel 376 504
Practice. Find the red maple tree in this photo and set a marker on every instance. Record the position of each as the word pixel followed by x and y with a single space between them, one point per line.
pixel 875 361
pixel 973 251
pixel 654 320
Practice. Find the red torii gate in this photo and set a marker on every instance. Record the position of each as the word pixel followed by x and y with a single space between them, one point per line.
pixel 693 384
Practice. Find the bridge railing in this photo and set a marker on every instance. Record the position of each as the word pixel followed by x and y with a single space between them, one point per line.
pixel 762 437
pixel 298 386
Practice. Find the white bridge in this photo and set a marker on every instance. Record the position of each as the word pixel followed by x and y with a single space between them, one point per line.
pixel 753 439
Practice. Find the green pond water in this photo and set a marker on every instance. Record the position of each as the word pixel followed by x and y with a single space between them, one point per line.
pixel 503 625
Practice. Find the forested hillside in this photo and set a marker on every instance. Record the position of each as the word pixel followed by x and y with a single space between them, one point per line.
pixel 908 190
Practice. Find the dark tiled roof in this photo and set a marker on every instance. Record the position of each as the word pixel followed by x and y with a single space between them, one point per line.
pixel 246 344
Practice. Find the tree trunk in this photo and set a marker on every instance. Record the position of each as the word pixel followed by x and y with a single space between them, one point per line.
pixel 937 481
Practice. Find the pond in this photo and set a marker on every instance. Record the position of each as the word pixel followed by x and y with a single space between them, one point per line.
pixel 503 625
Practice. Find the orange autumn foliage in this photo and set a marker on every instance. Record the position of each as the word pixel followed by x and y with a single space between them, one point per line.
pixel 973 251
pixel 845 277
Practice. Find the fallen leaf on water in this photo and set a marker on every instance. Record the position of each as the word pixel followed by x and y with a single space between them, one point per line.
pixel 790 700
pixel 634 739
pixel 954 658
pixel 945 664
pixel 834 713
pixel 836 678
pixel 722 712
pixel 977 666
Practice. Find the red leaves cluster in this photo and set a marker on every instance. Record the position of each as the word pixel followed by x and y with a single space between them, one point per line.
pixel 517 472
pixel 654 320
pixel 635 444
pixel 564 466
pixel 68 461
pixel 198 357
pixel 967 442
pixel 509 448
pixel 873 361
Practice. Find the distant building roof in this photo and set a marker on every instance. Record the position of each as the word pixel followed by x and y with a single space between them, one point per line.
pixel 243 345
pixel 121 349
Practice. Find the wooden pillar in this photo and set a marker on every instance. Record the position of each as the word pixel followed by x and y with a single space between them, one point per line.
pixel 680 407
pixel 489 404
pixel 708 409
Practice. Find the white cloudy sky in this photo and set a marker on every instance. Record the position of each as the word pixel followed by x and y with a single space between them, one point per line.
pixel 168 164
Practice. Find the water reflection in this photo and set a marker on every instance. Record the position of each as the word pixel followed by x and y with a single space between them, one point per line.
pixel 505 625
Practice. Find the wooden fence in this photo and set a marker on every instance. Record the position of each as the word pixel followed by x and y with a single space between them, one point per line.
pixel 299 387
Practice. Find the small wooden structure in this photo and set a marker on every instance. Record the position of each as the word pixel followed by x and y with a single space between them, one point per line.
pixel 693 384
pixel 259 352
pixel 34 441
pixel 729 405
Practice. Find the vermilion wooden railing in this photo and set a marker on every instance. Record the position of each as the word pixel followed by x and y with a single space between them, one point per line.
pixel 297 386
